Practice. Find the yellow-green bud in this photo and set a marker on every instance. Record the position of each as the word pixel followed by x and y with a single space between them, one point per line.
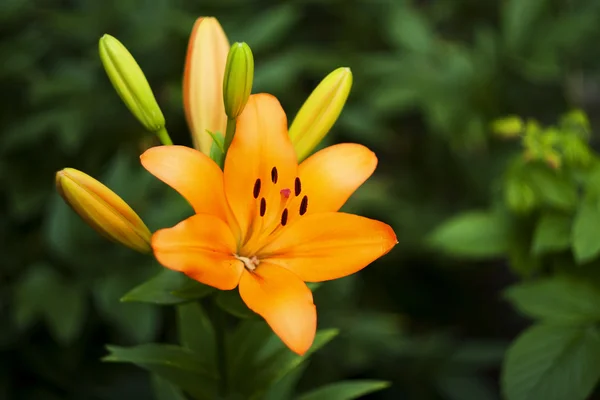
pixel 508 127
pixel 320 111
pixel 130 83
pixel 237 82
pixel 102 209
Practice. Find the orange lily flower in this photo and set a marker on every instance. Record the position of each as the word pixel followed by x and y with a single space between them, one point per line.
pixel 267 224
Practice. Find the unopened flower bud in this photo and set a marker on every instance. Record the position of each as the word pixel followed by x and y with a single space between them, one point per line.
pixel 203 81
pixel 237 82
pixel 102 209
pixel 130 83
pixel 320 111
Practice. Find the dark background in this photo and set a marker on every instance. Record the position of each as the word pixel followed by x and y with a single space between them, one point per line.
pixel 429 76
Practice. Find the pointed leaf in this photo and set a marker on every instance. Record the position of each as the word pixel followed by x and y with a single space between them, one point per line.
pixel 165 390
pixel 165 288
pixel 230 301
pixel 283 362
pixel 284 388
pixel 193 290
pixel 586 229
pixel 65 310
pixel 552 233
pixel 348 390
pixel 553 187
pixel 196 333
pixel 475 234
pixel 552 362
pixel 178 365
pixel 560 299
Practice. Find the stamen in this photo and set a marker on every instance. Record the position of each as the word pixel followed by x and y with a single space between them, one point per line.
pixel 263 207
pixel 256 190
pixel 297 187
pixel 304 205
pixel 274 175
pixel 284 217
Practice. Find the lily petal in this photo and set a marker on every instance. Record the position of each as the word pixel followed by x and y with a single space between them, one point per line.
pixel 201 247
pixel 195 176
pixel 284 301
pixel 324 246
pixel 261 149
pixel 330 176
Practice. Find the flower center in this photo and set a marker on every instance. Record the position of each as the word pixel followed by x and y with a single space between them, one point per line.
pixel 277 205
pixel 249 262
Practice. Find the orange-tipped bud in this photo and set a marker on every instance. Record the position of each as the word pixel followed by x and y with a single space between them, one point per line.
pixel 203 81
pixel 102 209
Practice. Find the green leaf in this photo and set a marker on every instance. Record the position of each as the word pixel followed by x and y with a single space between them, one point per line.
pixel 559 299
pixel 193 290
pixel 553 187
pixel 274 368
pixel 270 26
pixel 410 29
pixel 474 234
pixel 65 310
pixel 165 287
pixel 43 293
pixel 197 333
pixel 586 229
pixel 552 362
pixel 518 18
pixel 164 390
pixel 178 365
pixel 284 388
pixel 217 149
pixel 140 322
pixel 552 233
pixel 230 301
pixel 347 390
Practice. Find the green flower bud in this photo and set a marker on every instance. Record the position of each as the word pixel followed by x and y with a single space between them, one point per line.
pixel 130 83
pixel 237 83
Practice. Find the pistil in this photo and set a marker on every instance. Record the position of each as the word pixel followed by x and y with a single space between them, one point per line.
pixel 249 262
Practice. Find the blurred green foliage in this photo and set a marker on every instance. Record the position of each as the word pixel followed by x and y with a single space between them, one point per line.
pixel 545 221
pixel 429 78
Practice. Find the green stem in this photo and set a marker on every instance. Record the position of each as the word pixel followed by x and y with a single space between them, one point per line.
pixel 219 323
pixel 229 132
pixel 164 137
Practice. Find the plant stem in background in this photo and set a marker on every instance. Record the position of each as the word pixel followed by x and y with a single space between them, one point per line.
pixel 218 317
